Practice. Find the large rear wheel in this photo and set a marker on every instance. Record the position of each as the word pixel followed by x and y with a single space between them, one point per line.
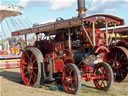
pixel 118 60
pixel 32 68
pixel 71 79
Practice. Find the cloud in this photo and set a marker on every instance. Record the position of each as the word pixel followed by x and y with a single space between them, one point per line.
pixel 126 3
pixel 54 4
pixel 110 10
pixel 96 6
pixel 61 4
pixel 100 6
pixel 29 3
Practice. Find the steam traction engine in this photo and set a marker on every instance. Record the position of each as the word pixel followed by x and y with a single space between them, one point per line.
pixel 69 50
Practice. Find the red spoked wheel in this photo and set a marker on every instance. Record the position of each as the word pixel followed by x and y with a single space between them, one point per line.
pixel 118 60
pixel 104 71
pixel 71 79
pixel 31 68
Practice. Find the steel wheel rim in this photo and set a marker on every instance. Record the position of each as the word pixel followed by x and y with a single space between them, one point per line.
pixel 70 80
pixel 29 68
pixel 117 60
pixel 104 74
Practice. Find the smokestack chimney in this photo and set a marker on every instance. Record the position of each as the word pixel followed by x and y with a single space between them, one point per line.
pixel 81 8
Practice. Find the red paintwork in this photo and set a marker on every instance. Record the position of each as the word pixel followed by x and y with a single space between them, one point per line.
pixel 26 73
pixel 99 37
pixel 105 17
pixel 102 49
pixel 69 80
pixel 62 55
pixel 59 47
pixel 104 76
pixel 60 58
pixel 68 57
pixel 49 47
pixel 58 65
pixel 123 43
pixel 90 73
pixel 117 59
pixel 57 55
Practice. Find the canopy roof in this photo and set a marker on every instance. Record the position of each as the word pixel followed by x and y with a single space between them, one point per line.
pixel 101 19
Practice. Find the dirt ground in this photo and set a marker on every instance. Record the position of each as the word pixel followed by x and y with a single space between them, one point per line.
pixel 11 84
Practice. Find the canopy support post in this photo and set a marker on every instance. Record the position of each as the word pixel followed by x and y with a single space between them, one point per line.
pixel 69 39
pixel 106 33
pixel 93 33
pixel 25 39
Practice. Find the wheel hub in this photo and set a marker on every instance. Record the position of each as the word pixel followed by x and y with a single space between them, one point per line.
pixel 68 79
pixel 29 68
pixel 116 65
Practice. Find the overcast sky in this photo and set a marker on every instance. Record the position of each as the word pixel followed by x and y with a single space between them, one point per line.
pixel 48 10
pixel 42 11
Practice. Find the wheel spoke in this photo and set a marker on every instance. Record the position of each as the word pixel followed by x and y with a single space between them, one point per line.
pixel 123 60
pixel 98 80
pixel 106 74
pixel 31 56
pixel 29 81
pixel 33 62
pixel 116 57
pixel 66 75
pixel 120 74
pixel 124 63
pixel 74 78
pixel 102 83
pixel 68 85
pixel 72 87
pixel 121 57
pixel 35 75
pixel 65 82
pixel 70 72
pixel 24 63
pixel 26 72
pixel 123 70
pixel 28 58
pixel 33 79
pixel 102 70
pixel 35 68
pixel 111 55
pixel 119 54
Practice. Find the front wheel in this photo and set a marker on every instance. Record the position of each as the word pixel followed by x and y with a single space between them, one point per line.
pixel 71 79
pixel 104 71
